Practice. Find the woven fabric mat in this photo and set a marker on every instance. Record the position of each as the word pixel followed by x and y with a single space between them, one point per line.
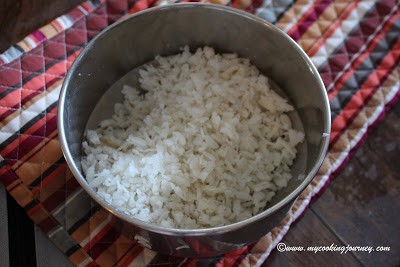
pixel 354 44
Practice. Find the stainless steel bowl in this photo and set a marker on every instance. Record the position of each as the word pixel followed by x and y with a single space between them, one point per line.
pixel 163 31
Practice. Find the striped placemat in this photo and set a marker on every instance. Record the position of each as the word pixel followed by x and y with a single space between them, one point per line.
pixel 354 44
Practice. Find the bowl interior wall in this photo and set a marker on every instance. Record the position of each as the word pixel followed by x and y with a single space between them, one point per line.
pixel 137 41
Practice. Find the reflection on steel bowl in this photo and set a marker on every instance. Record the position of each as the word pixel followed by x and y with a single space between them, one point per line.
pixel 121 48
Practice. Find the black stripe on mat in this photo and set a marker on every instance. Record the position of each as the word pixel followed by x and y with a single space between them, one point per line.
pixel 27 126
pixel 353 84
pixel 85 217
pixel 47 172
pixel 39 71
pixel 280 15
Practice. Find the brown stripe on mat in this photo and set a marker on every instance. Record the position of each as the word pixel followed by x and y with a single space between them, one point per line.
pixel 325 23
pixel 47 128
pixel 27 99
pixel 5 112
pixel 353 43
pixel 49 152
pixel 48 170
pixel 21 194
pixel 88 226
pixel 308 18
pixel 48 224
pixel 80 257
pixel 344 71
pixel 330 29
pixel 117 249
pixel 9 116
pixel 56 180
pixel 31 149
pixel 102 241
pixel 7 176
pixel 43 125
pixel 130 255
pixel 28 96
pixel 37 213
pixel 343 144
pixel 353 129
pixel 35 80
pixel 57 197
pixel 7 147
pixel 75 209
pixel 365 92
pixel 165 260
pixel 259 248
pixel 364 70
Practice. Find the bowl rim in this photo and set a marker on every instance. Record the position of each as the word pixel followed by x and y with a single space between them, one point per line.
pixel 198 231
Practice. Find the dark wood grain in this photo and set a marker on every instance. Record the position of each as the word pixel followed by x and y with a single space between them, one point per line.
pixel 362 205
pixel 18 18
pixel 309 231
pixel 359 208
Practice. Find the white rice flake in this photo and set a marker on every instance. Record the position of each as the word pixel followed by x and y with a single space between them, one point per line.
pixel 209 143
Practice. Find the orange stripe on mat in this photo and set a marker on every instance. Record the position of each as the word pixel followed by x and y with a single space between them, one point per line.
pixel 360 59
pixel 305 15
pixel 367 89
pixel 84 231
pixel 117 250
pixel 328 31
pixel 50 152
pixel 130 256
pixel 11 100
pixel 98 236
pixel 80 257
pixel 55 181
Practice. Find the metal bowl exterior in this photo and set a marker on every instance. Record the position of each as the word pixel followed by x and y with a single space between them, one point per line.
pixel 163 31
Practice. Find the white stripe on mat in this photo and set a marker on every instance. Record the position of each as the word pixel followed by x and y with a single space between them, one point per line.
pixel 143 258
pixel 299 14
pixel 341 32
pixel 372 119
pixel 94 232
pixel 29 113
pixel 364 47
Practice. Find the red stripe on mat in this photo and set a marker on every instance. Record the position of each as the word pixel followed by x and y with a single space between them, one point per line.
pixel 60 195
pixel 10 100
pixel 308 18
pixel 110 235
pixel 38 128
pixel 332 28
pixel 44 181
pixel 8 177
pixel 29 143
pixel 48 224
pixel 59 72
pixel 365 93
pixel 131 255
pixel 99 235
pixel 27 96
pixel 340 80
pixel 231 258
pixel 5 112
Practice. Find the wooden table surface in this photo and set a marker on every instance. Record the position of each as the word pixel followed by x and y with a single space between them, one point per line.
pixel 359 208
